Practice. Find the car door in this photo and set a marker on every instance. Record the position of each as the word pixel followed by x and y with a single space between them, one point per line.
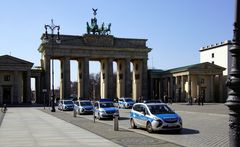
pixel 136 114
pixel 143 116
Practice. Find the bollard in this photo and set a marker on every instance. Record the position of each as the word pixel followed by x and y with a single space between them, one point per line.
pixel 115 120
pixel 74 113
pixel 94 116
pixel 4 109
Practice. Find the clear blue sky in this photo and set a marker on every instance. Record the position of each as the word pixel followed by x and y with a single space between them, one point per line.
pixel 175 29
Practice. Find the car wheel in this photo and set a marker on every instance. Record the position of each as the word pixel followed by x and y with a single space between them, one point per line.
pixel 149 127
pixel 133 126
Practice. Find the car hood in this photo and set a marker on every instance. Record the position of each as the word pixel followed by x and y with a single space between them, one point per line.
pixel 110 109
pixel 87 107
pixel 167 117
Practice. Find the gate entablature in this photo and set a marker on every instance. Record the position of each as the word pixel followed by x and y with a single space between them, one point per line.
pixel 96 46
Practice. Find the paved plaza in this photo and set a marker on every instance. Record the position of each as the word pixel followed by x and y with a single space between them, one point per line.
pixel 204 126
pixel 29 127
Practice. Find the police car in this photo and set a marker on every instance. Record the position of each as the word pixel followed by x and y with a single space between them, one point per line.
pixel 125 102
pixel 154 117
pixel 83 107
pixel 104 108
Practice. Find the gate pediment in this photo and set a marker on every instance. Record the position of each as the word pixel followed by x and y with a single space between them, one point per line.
pixel 12 63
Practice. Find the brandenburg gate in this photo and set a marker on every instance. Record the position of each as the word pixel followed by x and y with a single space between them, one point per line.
pixel 98 45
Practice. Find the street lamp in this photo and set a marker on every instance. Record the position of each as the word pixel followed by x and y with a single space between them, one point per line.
pixel 233 83
pixel 52 27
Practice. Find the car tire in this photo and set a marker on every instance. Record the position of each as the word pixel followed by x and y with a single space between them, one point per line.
pixel 149 127
pixel 132 123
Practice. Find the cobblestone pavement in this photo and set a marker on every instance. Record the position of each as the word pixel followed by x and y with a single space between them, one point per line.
pixel 204 126
pixel 215 108
pixel 124 137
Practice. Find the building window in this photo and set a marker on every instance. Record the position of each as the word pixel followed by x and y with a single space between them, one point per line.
pixel 103 76
pixel 136 67
pixel 202 81
pixel 6 77
pixel 212 62
pixel 120 76
pixel 212 55
pixel 137 76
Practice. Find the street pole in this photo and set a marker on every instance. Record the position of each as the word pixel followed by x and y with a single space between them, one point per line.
pixel 52 27
pixel 233 83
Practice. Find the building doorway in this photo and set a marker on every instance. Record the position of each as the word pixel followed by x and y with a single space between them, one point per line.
pixel 7 94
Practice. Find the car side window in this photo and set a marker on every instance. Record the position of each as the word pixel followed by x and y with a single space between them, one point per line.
pixel 137 108
pixel 144 109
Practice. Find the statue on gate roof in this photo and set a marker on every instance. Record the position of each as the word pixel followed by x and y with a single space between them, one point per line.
pixel 93 27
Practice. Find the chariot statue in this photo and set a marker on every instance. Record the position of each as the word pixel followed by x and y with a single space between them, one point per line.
pixel 94 29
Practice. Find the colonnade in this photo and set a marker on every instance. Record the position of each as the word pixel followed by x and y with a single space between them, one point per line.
pixel 123 80
pixel 182 87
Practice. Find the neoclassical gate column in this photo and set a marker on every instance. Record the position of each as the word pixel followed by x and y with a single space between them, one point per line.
pixel 120 78
pixel 189 87
pixel 83 78
pixel 65 85
pixel 38 89
pixel 137 79
pixel 46 81
pixel 123 78
pixel 106 78
pixel 144 78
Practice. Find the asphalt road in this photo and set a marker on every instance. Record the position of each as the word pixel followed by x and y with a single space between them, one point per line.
pixel 203 126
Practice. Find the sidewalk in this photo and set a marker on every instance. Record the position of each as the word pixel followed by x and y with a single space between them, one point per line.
pixel 29 127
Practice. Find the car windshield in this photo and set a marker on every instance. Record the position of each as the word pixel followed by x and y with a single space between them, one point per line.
pixel 128 100
pixel 160 109
pixel 68 102
pixel 85 103
pixel 105 105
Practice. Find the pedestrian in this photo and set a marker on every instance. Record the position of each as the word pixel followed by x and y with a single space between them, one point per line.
pixel 200 100
pixel 165 98
pixel 169 100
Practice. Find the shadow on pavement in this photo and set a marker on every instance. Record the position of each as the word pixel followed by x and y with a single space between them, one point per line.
pixel 123 118
pixel 184 131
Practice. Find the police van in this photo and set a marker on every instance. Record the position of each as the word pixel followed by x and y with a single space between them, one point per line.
pixel 154 117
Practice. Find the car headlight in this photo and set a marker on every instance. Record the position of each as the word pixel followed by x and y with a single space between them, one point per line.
pixel 102 111
pixel 180 119
pixel 156 118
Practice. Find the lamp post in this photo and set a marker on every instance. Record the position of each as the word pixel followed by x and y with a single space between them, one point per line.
pixel 52 27
pixel 233 83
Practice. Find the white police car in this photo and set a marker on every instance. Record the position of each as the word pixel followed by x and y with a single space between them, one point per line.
pixel 83 107
pixel 104 108
pixel 154 117
pixel 65 105
pixel 125 102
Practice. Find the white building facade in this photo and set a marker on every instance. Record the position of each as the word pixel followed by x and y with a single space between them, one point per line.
pixel 217 54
